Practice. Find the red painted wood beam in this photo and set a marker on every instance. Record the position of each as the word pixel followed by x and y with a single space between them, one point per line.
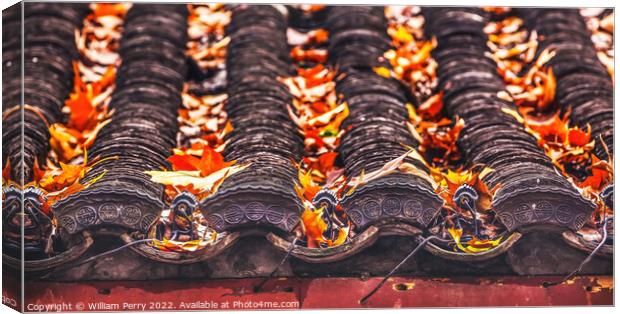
pixel 315 293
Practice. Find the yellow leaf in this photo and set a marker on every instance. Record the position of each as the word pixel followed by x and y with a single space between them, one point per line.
pixel 382 71
pixel 485 172
pixel 388 168
pixel 514 114
pixel 474 245
pixel 307 188
pixel 76 186
pixel 342 236
pixel 403 35
pixel 184 178
pixel 65 141
pixel 179 246
pixel 413 115
pixel 91 135
pixel 414 132
pixel 326 117
pixel 456 235
pixel 313 226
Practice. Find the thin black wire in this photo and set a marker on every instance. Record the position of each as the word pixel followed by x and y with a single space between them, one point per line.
pixel 547 284
pixel 94 257
pixel 415 250
pixel 258 287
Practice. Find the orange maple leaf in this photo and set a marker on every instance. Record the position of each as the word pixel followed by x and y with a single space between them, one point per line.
pixel 107 9
pixel 549 128
pixel 210 161
pixel 76 186
pixel 313 226
pixel 432 106
pixel 320 36
pixel 68 175
pixel 182 161
pixel 315 55
pixel 601 175
pixel 441 136
pixel 316 80
pixel 320 107
pixel 452 180
pixel 326 161
pixel 56 180
pixel 84 114
pixel 311 72
pixel 576 137
pixel 323 164
pixel 81 111
pixel 314 134
pixel 307 188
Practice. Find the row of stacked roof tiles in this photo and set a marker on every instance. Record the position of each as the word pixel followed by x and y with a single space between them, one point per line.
pixel 256 211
